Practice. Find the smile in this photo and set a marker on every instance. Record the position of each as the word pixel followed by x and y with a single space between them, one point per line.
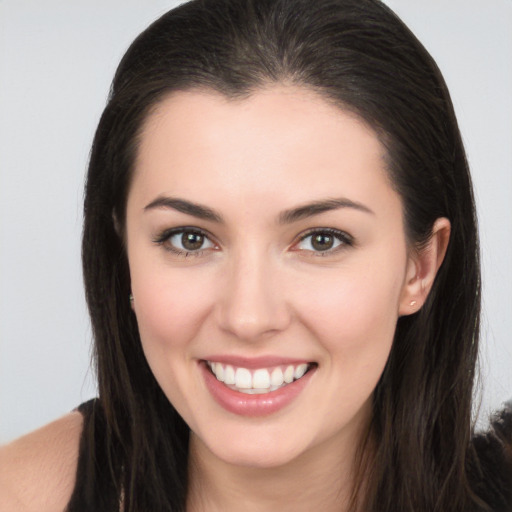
pixel 256 387
pixel 257 381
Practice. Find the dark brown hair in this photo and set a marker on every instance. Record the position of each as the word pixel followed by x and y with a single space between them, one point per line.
pixel 360 56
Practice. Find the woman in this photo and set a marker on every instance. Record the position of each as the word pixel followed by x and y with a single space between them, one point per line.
pixel 281 265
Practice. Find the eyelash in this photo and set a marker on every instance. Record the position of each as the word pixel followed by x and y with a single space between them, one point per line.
pixel 164 237
pixel 345 240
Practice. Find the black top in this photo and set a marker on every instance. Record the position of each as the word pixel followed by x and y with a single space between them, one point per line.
pixel 93 467
pixel 491 481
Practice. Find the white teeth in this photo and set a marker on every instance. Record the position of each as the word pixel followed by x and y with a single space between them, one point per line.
pixel 288 374
pixel 261 379
pixel 258 381
pixel 300 370
pixel 277 379
pixel 243 378
pixel 229 375
pixel 219 371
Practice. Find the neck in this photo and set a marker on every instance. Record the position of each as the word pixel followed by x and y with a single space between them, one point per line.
pixel 321 478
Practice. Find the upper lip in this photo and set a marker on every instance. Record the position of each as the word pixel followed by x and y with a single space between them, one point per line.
pixel 255 362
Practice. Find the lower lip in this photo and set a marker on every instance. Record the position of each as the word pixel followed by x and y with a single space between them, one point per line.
pixel 244 404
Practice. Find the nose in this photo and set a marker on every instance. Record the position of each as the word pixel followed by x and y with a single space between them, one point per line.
pixel 252 305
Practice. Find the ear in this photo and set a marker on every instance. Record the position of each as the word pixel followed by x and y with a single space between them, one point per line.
pixel 422 268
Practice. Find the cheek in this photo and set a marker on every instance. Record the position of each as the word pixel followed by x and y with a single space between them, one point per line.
pixel 170 304
pixel 354 319
pixel 355 312
pixel 170 308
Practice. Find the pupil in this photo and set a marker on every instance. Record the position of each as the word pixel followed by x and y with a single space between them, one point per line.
pixel 322 242
pixel 192 241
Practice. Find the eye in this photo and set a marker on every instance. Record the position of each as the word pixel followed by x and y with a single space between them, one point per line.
pixel 185 241
pixel 324 241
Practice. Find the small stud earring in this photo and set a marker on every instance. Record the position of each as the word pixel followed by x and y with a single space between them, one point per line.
pixel 131 298
pixel 412 303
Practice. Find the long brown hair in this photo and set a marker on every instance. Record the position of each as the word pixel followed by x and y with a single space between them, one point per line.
pixel 359 55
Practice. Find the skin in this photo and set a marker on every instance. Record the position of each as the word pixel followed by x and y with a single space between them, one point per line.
pixel 257 288
pixel 37 471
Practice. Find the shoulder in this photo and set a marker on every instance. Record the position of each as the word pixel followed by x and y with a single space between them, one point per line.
pixel 492 476
pixel 37 471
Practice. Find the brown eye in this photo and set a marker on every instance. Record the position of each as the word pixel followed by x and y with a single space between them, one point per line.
pixel 322 242
pixel 185 242
pixel 192 241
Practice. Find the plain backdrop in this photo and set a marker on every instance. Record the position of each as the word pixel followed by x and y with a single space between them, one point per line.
pixel 57 59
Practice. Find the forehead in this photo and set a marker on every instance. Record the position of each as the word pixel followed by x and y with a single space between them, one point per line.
pixel 284 142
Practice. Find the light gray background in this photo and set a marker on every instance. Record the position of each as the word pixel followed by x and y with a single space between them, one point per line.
pixel 56 62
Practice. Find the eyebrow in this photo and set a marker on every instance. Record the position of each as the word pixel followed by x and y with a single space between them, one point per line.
pixel 286 217
pixel 187 207
pixel 317 207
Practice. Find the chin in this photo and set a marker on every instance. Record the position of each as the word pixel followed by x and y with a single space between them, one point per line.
pixel 253 447
pixel 256 457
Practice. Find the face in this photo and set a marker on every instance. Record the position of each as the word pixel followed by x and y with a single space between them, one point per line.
pixel 268 263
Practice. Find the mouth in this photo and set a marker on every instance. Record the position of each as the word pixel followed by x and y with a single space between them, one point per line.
pixel 258 381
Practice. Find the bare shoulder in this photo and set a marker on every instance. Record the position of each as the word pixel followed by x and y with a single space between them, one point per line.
pixel 37 471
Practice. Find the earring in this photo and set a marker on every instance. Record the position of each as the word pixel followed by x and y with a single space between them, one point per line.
pixel 131 298
pixel 412 303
